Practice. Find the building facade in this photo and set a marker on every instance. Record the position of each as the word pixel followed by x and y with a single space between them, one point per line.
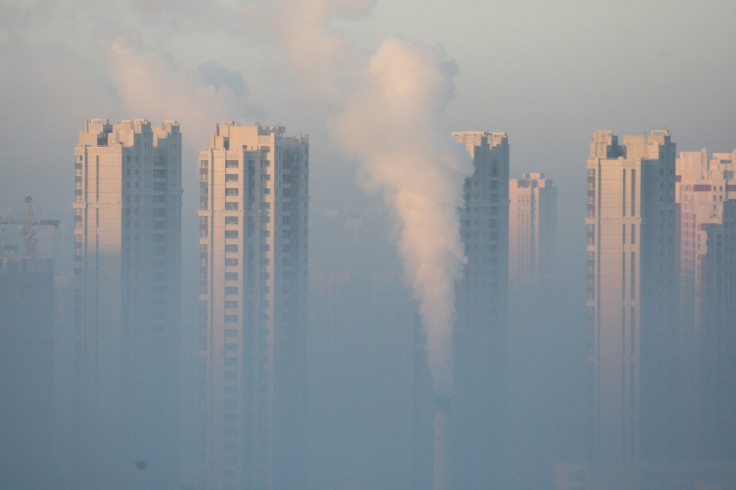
pixel 631 292
pixel 532 229
pixel 253 284
pixel 478 413
pixel 706 197
pixel 126 278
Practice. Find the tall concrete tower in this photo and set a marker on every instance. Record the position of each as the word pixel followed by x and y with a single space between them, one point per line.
pixel 253 285
pixel 126 276
pixel 478 413
pixel 631 292
pixel 532 229
pixel 706 197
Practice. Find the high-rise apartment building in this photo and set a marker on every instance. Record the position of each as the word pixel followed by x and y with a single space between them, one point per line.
pixel 253 284
pixel 537 322
pixel 478 412
pixel 706 197
pixel 127 272
pixel 532 229
pixel 631 292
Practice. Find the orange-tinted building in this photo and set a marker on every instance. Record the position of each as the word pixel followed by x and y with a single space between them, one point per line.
pixel 478 417
pixel 532 229
pixel 706 196
pixel 127 262
pixel 631 293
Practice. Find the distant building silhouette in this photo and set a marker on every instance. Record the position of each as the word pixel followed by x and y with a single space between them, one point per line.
pixel 645 476
pixel 478 413
pixel 532 229
pixel 706 197
pixel 253 283
pixel 26 371
pixel 631 292
pixel 126 276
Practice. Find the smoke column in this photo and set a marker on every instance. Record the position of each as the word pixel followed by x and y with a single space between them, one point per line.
pixel 392 124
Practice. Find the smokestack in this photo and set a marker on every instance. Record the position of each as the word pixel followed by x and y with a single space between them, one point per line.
pixel 441 433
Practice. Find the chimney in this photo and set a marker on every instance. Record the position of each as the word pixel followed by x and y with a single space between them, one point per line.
pixel 441 433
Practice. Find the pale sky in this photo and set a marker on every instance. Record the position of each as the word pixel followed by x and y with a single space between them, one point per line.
pixel 548 73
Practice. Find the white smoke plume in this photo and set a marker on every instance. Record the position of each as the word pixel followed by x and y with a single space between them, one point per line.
pixel 392 124
pixel 151 86
pixel 317 50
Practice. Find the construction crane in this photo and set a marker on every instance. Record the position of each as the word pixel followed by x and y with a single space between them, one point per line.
pixel 28 227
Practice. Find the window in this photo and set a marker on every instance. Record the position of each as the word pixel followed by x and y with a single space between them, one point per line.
pixel 633 192
pixel 231 276
pixel 231 220
pixel 633 275
pixel 231 164
pixel 231 177
pixel 231 233
pixel 231 332
pixel 231 262
pixel 231 290
pixel 230 206
pixel 203 226
pixel 623 186
pixel 231 191
pixel 232 247
pixel 231 304
pixel 231 318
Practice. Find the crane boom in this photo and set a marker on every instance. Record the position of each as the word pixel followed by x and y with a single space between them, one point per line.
pixel 28 227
